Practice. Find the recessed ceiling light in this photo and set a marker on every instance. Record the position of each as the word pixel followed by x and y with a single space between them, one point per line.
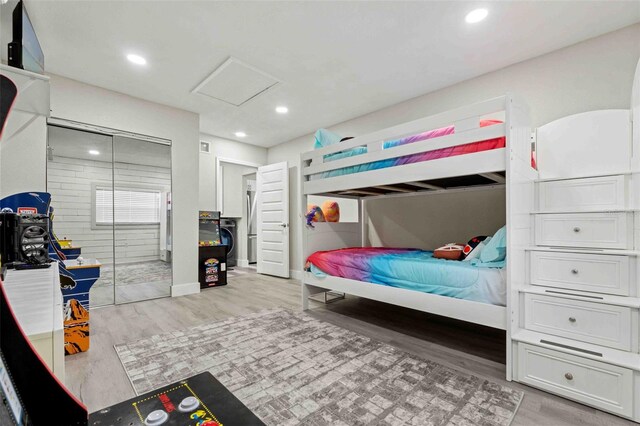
pixel 240 134
pixel 136 59
pixel 476 16
pixel 94 152
pixel 282 110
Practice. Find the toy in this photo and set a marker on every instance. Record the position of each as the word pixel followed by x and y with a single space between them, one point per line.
pixel 451 251
pixel 314 214
pixel 331 211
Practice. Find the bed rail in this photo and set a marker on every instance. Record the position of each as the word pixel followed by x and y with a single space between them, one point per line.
pixel 488 166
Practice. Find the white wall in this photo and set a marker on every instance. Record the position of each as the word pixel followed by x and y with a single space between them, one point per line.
pixel 438 219
pixel 69 180
pixel 84 103
pixel 25 132
pixel 223 148
pixel 233 193
pixel 594 74
pixel 349 211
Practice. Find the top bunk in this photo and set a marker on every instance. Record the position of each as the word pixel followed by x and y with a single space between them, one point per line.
pixel 466 147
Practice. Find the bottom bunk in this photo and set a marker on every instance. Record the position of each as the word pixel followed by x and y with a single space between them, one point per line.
pixel 470 291
pixel 466 310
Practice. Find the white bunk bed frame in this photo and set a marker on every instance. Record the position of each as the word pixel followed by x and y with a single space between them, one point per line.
pixel 509 166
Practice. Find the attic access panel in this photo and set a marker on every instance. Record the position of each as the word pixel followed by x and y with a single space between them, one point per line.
pixel 235 83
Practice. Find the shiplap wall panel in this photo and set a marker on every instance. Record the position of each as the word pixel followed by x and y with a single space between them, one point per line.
pixel 69 181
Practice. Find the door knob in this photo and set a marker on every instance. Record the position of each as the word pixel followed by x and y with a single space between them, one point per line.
pixel 568 376
pixel 572 319
pixel 576 229
pixel 574 271
pixel 284 225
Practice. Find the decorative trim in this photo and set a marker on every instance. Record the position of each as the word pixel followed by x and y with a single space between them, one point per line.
pixel 243 263
pixel 95 128
pixel 184 289
pixel 219 180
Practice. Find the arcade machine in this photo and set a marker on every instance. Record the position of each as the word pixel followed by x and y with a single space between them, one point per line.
pixel 76 276
pixel 28 391
pixel 212 254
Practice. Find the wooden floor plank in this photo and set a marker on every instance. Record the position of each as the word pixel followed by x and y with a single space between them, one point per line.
pixel 99 380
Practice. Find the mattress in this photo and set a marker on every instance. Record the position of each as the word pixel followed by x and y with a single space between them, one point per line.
pixel 453 151
pixel 413 269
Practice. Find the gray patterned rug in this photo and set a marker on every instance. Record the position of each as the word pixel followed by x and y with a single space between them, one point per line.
pixel 290 369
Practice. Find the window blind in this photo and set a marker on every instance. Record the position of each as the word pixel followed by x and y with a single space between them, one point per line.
pixel 127 206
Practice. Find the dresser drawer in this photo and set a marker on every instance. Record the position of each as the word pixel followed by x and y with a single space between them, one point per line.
pixel 598 273
pixel 591 322
pixel 598 230
pixel 590 194
pixel 601 385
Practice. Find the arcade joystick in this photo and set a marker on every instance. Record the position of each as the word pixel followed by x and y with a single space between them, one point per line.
pixel 188 404
pixel 198 400
pixel 156 418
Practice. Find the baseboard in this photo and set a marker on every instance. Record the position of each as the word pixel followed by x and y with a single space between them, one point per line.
pixel 295 274
pixel 184 289
pixel 243 263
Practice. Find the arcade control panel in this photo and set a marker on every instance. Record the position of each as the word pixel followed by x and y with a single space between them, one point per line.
pixel 200 400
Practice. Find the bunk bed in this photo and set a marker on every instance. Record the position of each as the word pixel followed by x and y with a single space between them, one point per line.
pixel 457 150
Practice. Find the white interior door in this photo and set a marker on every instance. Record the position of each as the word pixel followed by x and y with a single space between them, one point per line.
pixel 272 199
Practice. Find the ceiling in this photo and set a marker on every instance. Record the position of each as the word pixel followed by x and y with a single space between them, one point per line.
pixel 334 60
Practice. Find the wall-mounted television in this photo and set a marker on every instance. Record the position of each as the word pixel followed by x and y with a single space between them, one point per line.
pixel 24 50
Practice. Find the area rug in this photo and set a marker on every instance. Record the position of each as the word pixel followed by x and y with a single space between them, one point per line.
pixel 290 369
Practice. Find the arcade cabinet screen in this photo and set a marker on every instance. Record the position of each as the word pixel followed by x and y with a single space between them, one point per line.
pixel 209 231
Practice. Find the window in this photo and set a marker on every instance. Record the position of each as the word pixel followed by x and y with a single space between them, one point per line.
pixel 132 206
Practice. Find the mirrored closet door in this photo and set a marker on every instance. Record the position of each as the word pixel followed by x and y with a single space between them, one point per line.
pixel 112 207
pixel 142 201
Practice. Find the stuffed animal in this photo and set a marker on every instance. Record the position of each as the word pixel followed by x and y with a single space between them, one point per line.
pixel 314 214
pixel 331 211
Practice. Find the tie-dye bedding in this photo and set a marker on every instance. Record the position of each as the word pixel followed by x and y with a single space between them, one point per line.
pixel 413 158
pixel 413 269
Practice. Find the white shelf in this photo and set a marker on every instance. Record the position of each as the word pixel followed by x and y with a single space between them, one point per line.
pixel 24 73
pixel 37 302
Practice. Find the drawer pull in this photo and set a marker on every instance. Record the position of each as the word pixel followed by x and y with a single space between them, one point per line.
pixel 574 271
pixel 572 319
pixel 568 376
pixel 576 229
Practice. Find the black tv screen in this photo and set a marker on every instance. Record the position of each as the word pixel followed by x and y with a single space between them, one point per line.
pixel 25 51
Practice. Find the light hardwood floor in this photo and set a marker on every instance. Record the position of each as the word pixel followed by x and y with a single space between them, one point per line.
pixel 98 379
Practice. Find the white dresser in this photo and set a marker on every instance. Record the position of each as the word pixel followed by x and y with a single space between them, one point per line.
pixel 579 311
pixel 36 299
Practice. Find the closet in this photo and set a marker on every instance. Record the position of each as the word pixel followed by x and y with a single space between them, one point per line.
pixel 111 194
